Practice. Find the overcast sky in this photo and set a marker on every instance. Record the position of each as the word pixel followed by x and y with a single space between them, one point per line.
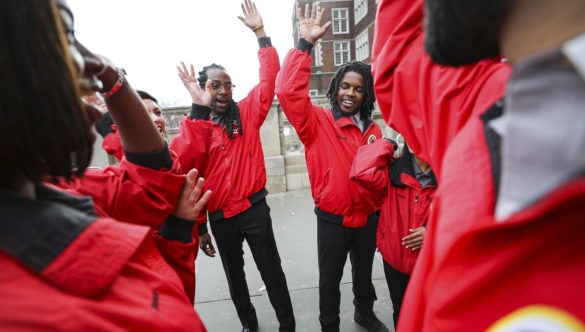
pixel 149 38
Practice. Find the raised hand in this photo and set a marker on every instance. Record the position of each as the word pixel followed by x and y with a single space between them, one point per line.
pixel 198 96
pixel 251 17
pixel 310 23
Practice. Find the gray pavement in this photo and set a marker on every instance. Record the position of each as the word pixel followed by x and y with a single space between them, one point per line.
pixel 295 230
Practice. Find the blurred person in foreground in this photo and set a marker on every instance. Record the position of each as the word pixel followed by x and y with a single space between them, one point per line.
pixel 503 250
pixel 90 271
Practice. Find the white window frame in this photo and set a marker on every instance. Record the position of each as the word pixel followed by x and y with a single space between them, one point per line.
pixel 318 54
pixel 362 46
pixel 341 51
pixel 360 8
pixel 337 22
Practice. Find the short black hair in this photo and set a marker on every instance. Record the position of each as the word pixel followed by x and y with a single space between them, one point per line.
pixel 146 95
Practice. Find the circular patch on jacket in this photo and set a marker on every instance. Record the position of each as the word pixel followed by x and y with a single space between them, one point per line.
pixel 538 318
pixel 372 139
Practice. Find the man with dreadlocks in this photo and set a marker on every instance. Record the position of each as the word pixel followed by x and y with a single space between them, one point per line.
pixel 347 215
pixel 236 174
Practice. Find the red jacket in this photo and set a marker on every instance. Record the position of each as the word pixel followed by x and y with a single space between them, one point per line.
pixel 473 272
pixel 112 144
pixel 131 193
pixel 403 208
pixel 77 273
pixel 134 194
pixel 330 146
pixel 434 102
pixel 236 166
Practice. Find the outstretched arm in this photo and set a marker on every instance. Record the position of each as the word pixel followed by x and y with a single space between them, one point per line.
pixel 292 83
pixel 259 100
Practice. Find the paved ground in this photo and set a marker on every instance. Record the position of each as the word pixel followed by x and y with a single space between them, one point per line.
pixel 296 234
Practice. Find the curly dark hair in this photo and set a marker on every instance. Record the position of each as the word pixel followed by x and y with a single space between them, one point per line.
pixel 232 116
pixel 202 79
pixel 363 69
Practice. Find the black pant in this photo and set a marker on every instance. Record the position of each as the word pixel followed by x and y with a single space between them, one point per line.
pixel 334 242
pixel 254 225
pixel 397 282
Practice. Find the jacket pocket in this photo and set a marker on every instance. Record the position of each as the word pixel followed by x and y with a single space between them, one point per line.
pixel 323 186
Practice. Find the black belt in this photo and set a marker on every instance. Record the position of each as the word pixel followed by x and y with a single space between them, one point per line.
pixel 257 197
pixel 337 219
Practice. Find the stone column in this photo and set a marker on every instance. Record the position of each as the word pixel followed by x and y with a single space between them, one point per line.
pixel 274 161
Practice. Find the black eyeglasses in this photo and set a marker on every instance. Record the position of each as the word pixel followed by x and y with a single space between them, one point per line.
pixel 216 85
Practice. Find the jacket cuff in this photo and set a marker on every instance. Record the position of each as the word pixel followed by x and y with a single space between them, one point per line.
pixel 304 45
pixel 156 160
pixel 104 125
pixel 177 229
pixel 199 112
pixel 393 142
pixel 264 42
pixel 202 229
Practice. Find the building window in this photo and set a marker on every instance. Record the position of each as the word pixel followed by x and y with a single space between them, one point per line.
pixel 340 20
pixel 318 54
pixel 362 46
pixel 360 8
pixel 341 52
pixel 313 93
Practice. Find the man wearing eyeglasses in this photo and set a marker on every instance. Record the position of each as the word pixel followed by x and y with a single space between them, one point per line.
pixel 236 174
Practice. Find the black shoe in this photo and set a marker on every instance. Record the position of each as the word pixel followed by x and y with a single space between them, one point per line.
pixel 369 322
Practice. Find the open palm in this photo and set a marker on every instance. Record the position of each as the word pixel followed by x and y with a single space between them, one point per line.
pixel 198 95
pixel 310 23
pixel 251 17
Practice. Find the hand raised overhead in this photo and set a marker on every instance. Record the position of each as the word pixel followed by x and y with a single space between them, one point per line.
pixel 198 96
pixel 252 18
pixel 310 23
